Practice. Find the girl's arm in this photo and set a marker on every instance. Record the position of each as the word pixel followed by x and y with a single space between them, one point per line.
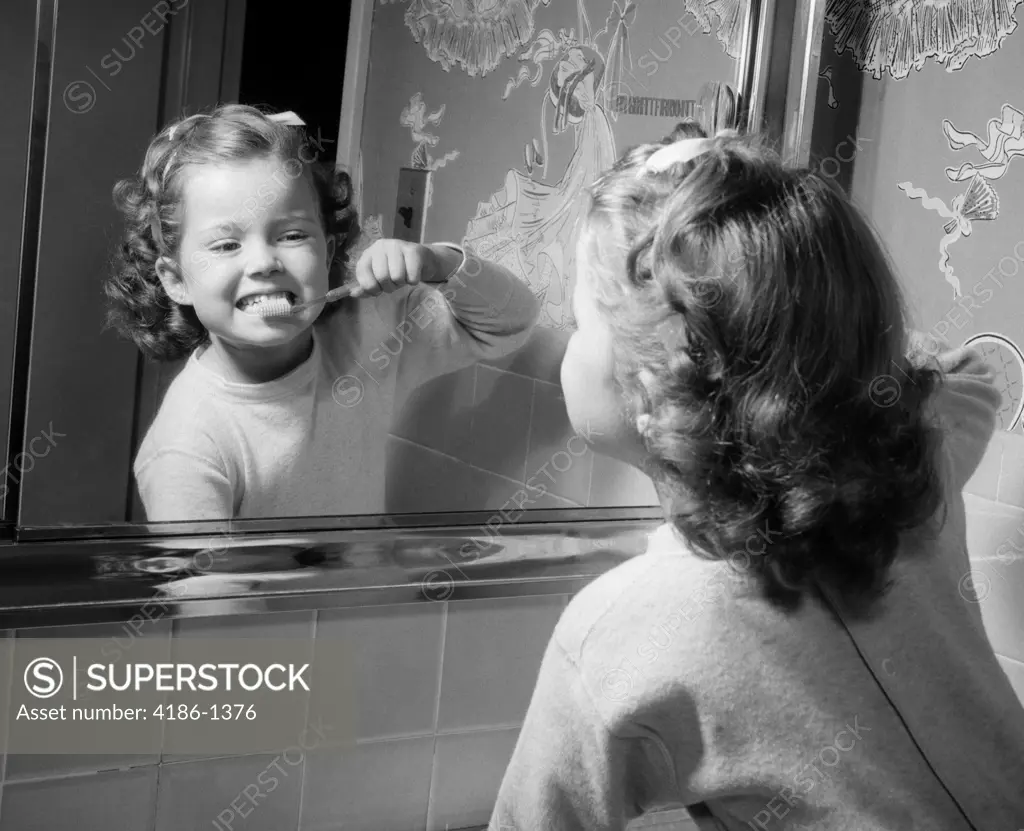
pixel 482 312
pixel 184 486
pixel 569 772
pixel 966 403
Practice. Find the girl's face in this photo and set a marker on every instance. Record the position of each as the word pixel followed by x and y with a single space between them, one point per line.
pixel 250 232
pixel 595 403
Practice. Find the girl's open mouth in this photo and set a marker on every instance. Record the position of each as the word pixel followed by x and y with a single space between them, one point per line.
pixel 251 303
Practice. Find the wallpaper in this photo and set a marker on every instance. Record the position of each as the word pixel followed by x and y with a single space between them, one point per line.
pixel 937 112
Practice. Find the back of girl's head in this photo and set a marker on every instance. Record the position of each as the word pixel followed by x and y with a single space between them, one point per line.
pixel 151 205
pixel 759 327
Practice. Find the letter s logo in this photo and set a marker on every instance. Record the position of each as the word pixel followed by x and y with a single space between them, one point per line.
pixel 43 677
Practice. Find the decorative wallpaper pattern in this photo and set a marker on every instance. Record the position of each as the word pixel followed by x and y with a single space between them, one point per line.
pixel 926 116
pixel 897 36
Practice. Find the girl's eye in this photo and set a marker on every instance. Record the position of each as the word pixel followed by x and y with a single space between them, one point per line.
pixel 295 236
pixel 225 247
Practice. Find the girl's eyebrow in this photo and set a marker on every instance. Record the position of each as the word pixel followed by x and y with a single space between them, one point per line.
pixel 219 228
pixel 230 226
pixel 300 213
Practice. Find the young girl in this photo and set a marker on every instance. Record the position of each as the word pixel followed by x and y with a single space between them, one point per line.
pixel 798 648
pixel 286 416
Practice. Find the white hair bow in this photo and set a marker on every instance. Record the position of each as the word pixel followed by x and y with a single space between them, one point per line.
pixel 684 150
pixel 289 118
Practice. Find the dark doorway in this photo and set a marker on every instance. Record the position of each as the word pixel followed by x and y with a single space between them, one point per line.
pixel 294 59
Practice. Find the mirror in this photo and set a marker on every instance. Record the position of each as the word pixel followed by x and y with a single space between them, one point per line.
pixel 496 133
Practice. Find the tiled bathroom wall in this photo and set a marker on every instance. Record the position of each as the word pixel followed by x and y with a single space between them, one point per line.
pixel 995 529
pixel 440 691
pixel 504 432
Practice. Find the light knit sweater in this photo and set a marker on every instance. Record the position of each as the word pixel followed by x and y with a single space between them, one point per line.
pixel 314 442
pixel 669 681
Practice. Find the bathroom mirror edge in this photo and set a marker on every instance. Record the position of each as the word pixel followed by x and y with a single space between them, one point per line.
pixel 354 525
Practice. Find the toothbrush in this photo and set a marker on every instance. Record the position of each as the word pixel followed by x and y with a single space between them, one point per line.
pixel 282 308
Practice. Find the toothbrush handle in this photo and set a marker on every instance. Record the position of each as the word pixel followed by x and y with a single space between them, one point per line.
pixel 338 293
pixel 330 297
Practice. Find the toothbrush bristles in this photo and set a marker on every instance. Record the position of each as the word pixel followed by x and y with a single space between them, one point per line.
pixel 275 308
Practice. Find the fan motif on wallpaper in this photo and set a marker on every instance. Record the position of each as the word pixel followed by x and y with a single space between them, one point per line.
pixel 979 202
pixel 896 36
pixel 473 34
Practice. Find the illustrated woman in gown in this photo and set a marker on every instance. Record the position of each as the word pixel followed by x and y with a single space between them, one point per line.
pixel 531 226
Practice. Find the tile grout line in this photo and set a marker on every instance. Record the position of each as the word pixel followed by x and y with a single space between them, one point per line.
pixel 481 470
pixel 156 802
pixel 437 714
pixel 999 474
pixel 305 728
pixel 590 477
pixel 476 390
pixel 529 427
pixel 519 374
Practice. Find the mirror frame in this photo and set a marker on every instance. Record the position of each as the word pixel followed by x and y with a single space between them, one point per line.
pixel 10 497
pixel 769 72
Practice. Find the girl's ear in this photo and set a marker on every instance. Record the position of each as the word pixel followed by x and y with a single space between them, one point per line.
pixel 174 281
pixel 638 406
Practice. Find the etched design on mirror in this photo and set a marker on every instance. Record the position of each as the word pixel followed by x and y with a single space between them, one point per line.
pixel 476 35
pixel 826 76
pixel 730 16
pixel 897 36
pixel 530 226
pixel 418 120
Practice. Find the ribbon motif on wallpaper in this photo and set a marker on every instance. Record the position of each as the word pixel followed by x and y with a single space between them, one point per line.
pixel 978 202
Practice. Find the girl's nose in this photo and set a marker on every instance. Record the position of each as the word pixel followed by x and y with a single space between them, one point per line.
pixel 261 262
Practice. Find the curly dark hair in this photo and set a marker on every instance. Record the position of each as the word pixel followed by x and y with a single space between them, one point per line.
pixel 139 308
pixel 759 338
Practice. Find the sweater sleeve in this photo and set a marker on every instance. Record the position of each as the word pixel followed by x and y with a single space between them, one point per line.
pixel 178 485
pixel 568 771
pixel 967 404
pixel 483 312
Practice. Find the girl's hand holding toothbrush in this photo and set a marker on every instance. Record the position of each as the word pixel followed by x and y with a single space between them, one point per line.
pixel 384 267
pixel 389 264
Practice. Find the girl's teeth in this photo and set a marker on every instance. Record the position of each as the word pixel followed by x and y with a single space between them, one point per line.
pixel 257 299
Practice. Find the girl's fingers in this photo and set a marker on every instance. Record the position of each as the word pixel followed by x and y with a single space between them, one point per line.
pixel 362 275
pixel 414 265
pixel 396 274
pixel 384 268
pixel 378 271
